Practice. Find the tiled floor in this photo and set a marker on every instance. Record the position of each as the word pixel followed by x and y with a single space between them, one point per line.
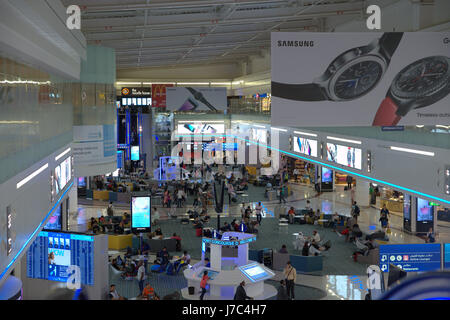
pixel 336 286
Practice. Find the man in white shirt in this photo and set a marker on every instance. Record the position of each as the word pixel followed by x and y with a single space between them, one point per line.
pixel 258 210
pixel 155 216
pixel 141 276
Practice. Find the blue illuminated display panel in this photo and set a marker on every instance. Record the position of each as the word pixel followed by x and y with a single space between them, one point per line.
pixel 52 253
pixel 140 214
pixel 411 257
pixel 447 256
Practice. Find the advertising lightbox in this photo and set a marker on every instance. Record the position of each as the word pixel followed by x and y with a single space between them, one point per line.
pixel 343 155
pixel 193 128
pixel 305 146
pixel 360 79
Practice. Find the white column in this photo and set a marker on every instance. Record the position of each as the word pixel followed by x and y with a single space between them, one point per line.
pixel 362 193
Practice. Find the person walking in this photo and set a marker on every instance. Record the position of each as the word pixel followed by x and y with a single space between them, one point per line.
pixel 203 284
pixel 290 275
pixel 349 181
pixel 282 198
pixel 258 210
pixel 141 276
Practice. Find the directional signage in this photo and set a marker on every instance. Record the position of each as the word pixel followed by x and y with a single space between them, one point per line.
pixel 411 257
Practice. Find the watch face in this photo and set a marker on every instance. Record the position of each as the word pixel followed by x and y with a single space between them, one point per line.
pixel 358 79
pixel 421 78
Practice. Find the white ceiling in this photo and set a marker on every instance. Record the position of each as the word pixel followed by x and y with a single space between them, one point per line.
pixel 182 32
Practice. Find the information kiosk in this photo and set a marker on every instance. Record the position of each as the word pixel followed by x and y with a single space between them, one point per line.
pixel 229 267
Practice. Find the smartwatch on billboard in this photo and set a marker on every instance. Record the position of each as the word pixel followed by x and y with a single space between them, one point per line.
pixel 351 75
pixel 199 97
pixel 418 85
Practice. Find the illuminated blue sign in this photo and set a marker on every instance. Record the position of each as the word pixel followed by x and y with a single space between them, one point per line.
pixel 411 257
pixel 229 243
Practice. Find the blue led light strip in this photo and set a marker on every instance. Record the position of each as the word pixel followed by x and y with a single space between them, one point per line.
pixel 340 169
pixel 35 231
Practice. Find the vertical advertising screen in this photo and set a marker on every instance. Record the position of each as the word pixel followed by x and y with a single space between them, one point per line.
pixel 55 220
pixel 305 146
pixel 135 153
pixel 140 214
pixel 327 175
pixel 53 253
pixel 424 210
pixel 63 174
pixel 343 155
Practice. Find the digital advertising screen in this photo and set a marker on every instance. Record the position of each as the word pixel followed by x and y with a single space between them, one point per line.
pixel 140 214
pixel 327 207
pixel 52 253
pixel 255 272
pixel 343 155
pixel 191 128
pixel 55 220
pixel 411 257
pixel 81 182
pixel 327 175
pixel 135 153
pixel 446 255
pixel 424 210
pixel 305 146
pixel 407 207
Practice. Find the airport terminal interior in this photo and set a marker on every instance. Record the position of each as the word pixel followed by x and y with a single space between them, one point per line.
pixel 224 150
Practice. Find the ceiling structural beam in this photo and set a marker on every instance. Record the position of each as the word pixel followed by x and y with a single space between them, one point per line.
pixel 175 5
pixel 183 25
pixel 91 37
pixel 227 15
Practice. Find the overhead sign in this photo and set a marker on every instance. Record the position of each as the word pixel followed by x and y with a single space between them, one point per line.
pixel 411 257
pixel 196 99
pixel 360 79
pixel 136 92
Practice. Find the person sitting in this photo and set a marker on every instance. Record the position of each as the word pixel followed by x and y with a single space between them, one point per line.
pixel 183 261
pixel 113 295
pixel 305 249
pixel 291 214
pixel 94 225
pixel 163 257
pixel 204 215
pixel 283 249
pixel 226 227
pixel 148 293
pixel 115 265
pixel 145 250
pixel 158 233
pixel 355 233
pixel 370 245
pixel 197 223
pixel 235 225
pixel 430 237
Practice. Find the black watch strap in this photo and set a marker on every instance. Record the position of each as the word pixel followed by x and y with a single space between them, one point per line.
pixel 389 42
pixel 299 92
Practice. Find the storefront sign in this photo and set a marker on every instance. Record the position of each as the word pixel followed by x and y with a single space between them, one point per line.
pixel 159 95
pixel 136 92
